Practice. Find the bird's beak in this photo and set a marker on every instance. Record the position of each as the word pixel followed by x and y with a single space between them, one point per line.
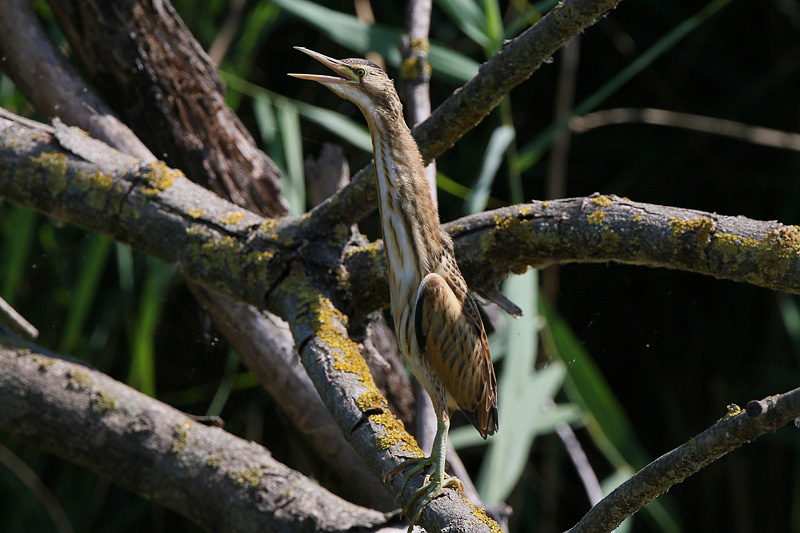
pixel 344 73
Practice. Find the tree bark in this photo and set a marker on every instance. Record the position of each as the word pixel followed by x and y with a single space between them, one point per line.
pixel 156 210
pixel 217 480
pixel 49 82
pixel 151 70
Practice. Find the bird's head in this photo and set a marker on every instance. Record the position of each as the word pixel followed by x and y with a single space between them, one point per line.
pixel 358 80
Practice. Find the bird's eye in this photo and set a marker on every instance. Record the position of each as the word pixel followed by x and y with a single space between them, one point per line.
pixel 360 72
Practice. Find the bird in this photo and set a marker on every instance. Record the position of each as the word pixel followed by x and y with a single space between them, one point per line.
pixel 438 326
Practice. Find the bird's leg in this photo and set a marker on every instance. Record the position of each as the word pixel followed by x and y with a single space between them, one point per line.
pixel 435 479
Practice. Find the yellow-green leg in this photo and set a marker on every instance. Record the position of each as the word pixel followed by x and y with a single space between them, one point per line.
pixel 435 479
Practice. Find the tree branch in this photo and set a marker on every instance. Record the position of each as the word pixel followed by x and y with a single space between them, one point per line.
pixel 146 205
pixel 50 83
pixel 732 431
pixel 16 322
pixel 156 210
pixel 174 85
pixel 215 479
pixel 416 72
pixel 662 117
pixel 603 228
pixel 346 386
pixel 266 347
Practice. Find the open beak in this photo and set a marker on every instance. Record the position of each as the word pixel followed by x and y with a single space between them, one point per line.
pixel 343 73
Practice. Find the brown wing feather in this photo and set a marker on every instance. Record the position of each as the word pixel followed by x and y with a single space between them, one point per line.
pixel 450 335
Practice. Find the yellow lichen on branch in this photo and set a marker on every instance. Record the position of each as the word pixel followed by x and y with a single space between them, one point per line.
pixel 596 218
pixel 55 166
pixel 249 477
pixel 773 255
pixel 180 435
pixel 395 433
pixel 159 178
pixel 703 228
pixel 231 217
pixel 779 248
pixel 232 259
pixel 328 326
pixel 371 400
pixel 602 200
pixel 483 518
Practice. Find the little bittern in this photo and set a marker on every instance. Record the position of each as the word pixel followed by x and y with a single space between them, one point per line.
pixel 438 326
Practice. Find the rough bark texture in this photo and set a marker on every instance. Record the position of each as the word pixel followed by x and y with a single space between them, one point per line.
pixel 157 73
pixel 603 228
pixel 156 210
pixel 47 79
pixel 219 481
pixel 333 460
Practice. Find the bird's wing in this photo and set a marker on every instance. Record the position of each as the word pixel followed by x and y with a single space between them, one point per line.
pixel 450 335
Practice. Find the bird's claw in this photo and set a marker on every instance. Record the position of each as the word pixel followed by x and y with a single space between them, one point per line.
pixel 435 480
pixel 416 464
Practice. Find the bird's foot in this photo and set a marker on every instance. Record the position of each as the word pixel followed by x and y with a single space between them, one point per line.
pixel 435 481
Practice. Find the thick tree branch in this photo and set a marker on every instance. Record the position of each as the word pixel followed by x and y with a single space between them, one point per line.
pixel 608 228
pixel 346 386
pixel 256 333
pixel 174 85
pixel 737 428
pixel 156 210
pixel 215 479
pixel 50 83
pixel 114 194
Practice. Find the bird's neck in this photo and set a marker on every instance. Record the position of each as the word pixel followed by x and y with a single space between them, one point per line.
pixel 409 219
